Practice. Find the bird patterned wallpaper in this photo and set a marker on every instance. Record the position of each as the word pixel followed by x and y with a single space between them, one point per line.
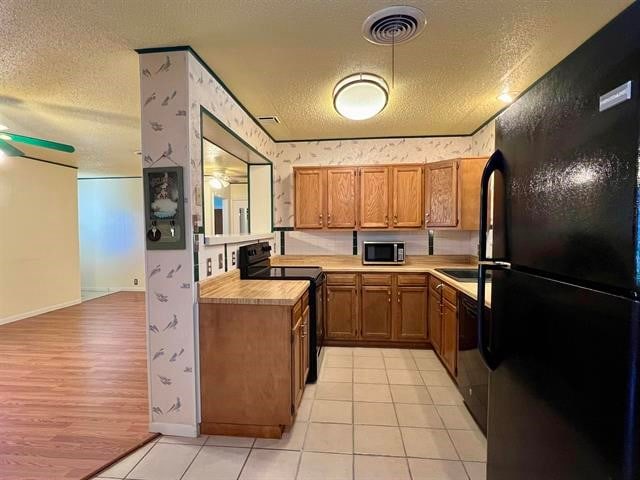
pixel 169 282
pixel 374 151
pixel 173 87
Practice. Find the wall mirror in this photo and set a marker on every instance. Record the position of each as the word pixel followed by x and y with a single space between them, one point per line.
pixel 236 186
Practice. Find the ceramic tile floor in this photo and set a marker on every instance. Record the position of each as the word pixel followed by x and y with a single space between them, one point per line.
pixel 375 414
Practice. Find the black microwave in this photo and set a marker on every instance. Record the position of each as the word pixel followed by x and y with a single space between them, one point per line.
pixel 382 253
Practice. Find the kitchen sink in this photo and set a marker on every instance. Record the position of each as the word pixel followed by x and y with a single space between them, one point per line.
pixel 463 274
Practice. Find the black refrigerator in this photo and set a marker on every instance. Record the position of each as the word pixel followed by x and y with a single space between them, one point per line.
pixel 563 343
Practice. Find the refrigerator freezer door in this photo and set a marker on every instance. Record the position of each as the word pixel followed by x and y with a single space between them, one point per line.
pixel 563 400
pixel 571 171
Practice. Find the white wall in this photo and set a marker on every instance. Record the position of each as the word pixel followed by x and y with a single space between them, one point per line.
pixel 260 198
pixel 111 221
pixel 39 259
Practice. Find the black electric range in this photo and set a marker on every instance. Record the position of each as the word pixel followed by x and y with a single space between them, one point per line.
pixel 254 262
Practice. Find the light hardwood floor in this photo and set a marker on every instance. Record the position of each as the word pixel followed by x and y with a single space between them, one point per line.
pixel 73 389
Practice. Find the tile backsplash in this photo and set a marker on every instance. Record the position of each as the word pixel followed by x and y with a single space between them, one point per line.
pixel 446 242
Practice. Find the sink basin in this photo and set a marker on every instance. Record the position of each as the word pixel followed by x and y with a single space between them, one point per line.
pixel 462 274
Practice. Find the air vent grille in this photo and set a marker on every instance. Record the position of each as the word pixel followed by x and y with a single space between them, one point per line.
pixel 269 120
pixel 394 25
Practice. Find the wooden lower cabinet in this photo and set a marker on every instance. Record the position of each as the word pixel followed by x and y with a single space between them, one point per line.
pixel 388 308
pixel 299 351
pixel 411 313
pixel 449 351
pixel 443 323
pixel 341 313
pixel 253 367
pixel 376 315
pixel 435 320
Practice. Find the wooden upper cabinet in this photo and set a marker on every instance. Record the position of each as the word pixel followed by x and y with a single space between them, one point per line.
pixel 374 197
pixel 408 196
pixel 470 174
pixel 309 197
pixel 376 313
pixel 341 198
pixel 442 194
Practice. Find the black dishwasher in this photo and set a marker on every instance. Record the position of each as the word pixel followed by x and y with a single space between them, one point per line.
pixel 473 374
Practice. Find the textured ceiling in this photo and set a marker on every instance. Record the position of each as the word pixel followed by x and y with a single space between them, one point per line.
pixel 69 73
pixel 217 161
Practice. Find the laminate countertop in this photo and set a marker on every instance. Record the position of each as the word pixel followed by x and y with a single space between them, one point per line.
pixel 229 288
pixel 413 264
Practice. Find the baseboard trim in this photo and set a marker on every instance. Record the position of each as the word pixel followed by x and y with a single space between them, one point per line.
pixel 176 429
pixel 39 311
pixel 113 289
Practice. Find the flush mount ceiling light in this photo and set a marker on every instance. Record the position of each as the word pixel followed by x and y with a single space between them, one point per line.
pixel 219 181
pixel 360 96
pixel 507 97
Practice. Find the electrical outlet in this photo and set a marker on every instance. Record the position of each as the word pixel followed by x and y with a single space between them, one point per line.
pixel 233 258
pixel 220 261
pixel 209 267
pixel 135 281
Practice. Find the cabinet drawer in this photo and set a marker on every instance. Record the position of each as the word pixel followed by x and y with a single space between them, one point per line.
pixel 341 278
pixel 411 279
pixel 434 282
pixel 449 294
pixel 376 278
pixel 296 313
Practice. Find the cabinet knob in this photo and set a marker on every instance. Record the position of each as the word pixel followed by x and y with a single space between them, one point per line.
pixel 386 220
pixel 320 219
pixel 329 219
pixel 395 219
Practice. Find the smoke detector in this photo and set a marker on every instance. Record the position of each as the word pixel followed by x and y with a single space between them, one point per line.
pixel 394 25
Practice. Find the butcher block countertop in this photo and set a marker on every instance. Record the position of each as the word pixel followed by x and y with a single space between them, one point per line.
pixel 228 288
pixel 413 264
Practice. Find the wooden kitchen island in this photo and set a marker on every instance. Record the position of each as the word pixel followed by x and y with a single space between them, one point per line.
pixel 254 354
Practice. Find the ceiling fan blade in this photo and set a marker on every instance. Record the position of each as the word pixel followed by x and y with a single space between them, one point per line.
pixel 39 142
pixel 9 150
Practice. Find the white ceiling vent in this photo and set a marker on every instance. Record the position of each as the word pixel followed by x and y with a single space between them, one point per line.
pixel 269 120
pixel 394 25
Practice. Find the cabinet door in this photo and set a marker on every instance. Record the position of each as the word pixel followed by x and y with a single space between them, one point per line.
pixel 470 173
pixel 411 314
pixel 304 361
pixel 374 197
pixel 341 197
pixel 449 337
pixel 408 196
pixel 309 197
pixel 376 313
pixel 442 194
pixel 435 320
pixel 342 312
pixel 296 364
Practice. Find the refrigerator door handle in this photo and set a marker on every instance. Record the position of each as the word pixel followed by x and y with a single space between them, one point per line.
pixel 495 163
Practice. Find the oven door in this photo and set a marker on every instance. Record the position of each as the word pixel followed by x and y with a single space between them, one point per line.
pixel 379 253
